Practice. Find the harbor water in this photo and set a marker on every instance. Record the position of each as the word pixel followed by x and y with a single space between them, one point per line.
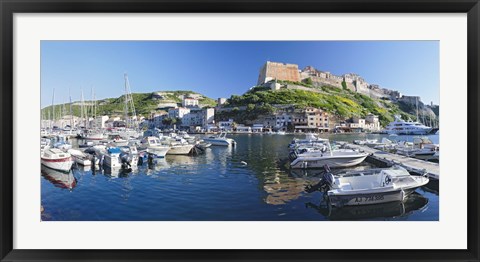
pixel 248 182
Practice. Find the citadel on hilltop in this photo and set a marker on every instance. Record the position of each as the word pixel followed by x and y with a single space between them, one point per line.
pixel 290 72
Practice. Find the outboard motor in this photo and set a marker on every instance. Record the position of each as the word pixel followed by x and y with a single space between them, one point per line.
pixel 324 184
pixel 293 155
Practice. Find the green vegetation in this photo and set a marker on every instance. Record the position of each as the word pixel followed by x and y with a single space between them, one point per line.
pixel 342 102
pixel 145 103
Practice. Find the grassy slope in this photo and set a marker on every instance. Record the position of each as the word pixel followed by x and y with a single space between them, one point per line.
pixel 144 104
pixel 341 102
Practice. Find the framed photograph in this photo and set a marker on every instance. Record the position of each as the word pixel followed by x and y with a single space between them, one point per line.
pixel 260 131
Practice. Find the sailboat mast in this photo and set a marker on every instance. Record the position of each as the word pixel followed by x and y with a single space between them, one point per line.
pixel 125 106
pixel 416 102
pixel 53 107
pixel 71 115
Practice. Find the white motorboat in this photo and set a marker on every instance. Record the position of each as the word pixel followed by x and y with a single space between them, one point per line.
pixel 92 135
pixel 314 157
pixel 220 140
pixel 80 157
pixel 153 145
pixel 421 148
pixel 401 127
pixel 373 186
pixel 109 156
pixel 180 149
pixel 55 158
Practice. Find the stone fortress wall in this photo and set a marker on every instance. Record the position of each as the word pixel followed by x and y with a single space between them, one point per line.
pixel 290 72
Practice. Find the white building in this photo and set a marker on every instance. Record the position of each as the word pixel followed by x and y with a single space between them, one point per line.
pixel 257 128
pixel 226 125
pixel 208 117
pixel 178 112
pixel 189 102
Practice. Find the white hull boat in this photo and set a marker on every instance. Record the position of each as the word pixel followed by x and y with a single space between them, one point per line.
pixel 401 127
pixel 80 158
pixel 336 160
pixel 320 153
pixel 220 140
pixel 375 186
pixel 153 145
pixel 109 156
pixel 55 158
pixel 180 149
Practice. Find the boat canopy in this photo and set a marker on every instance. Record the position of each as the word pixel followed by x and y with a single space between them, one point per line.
pixel 114 150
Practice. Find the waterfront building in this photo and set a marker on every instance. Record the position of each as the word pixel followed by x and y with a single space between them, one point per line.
pixel 226 125
pixel 257 128
pixel 99 121
pixel 178 112
pixel 243 129
pixel 372 123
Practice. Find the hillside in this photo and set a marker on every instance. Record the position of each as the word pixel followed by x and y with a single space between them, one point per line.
pixel 343 103
pixel 145 103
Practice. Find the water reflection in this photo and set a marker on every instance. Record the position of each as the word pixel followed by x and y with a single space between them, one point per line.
pixel 58 178
pixel 387 210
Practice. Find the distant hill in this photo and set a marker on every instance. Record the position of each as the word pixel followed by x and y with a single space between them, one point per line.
pixel 145 103
pixel 341 102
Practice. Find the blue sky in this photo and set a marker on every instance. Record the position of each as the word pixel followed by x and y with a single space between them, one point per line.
pixel 222 68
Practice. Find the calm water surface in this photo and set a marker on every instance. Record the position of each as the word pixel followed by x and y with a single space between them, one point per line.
pixel 216 186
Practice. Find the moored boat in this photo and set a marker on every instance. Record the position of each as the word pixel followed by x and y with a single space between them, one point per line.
pixel 321 153
pixel 220 140
pixel 374 186
pixel 55 158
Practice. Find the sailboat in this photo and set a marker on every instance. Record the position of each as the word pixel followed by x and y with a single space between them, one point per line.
pixel 131 123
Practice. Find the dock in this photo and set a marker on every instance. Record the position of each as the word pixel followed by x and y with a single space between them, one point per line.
pixel 388 159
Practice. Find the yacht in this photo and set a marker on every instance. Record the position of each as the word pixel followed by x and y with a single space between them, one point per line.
pixel 402 127
pixel 220 140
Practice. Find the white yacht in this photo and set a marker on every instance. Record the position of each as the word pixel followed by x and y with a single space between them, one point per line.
pixel 402 127
pixel 220 140
pixel 321 154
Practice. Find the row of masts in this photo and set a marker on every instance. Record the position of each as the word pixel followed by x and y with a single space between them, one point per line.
pixel 427 121
pixel 90 110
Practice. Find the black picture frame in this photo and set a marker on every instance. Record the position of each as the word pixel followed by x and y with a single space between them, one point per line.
pixel 10 7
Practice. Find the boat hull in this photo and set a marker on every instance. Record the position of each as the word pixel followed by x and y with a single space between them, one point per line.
pixel 333 162
pixel 215 142
pixel 158 151
pixel 180 150
pixel 367 198
pixel 64 164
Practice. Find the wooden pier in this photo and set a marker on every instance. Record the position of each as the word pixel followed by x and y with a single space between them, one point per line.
pixel 387 159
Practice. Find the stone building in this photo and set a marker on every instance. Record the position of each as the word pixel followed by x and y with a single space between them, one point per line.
pixel 279 71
